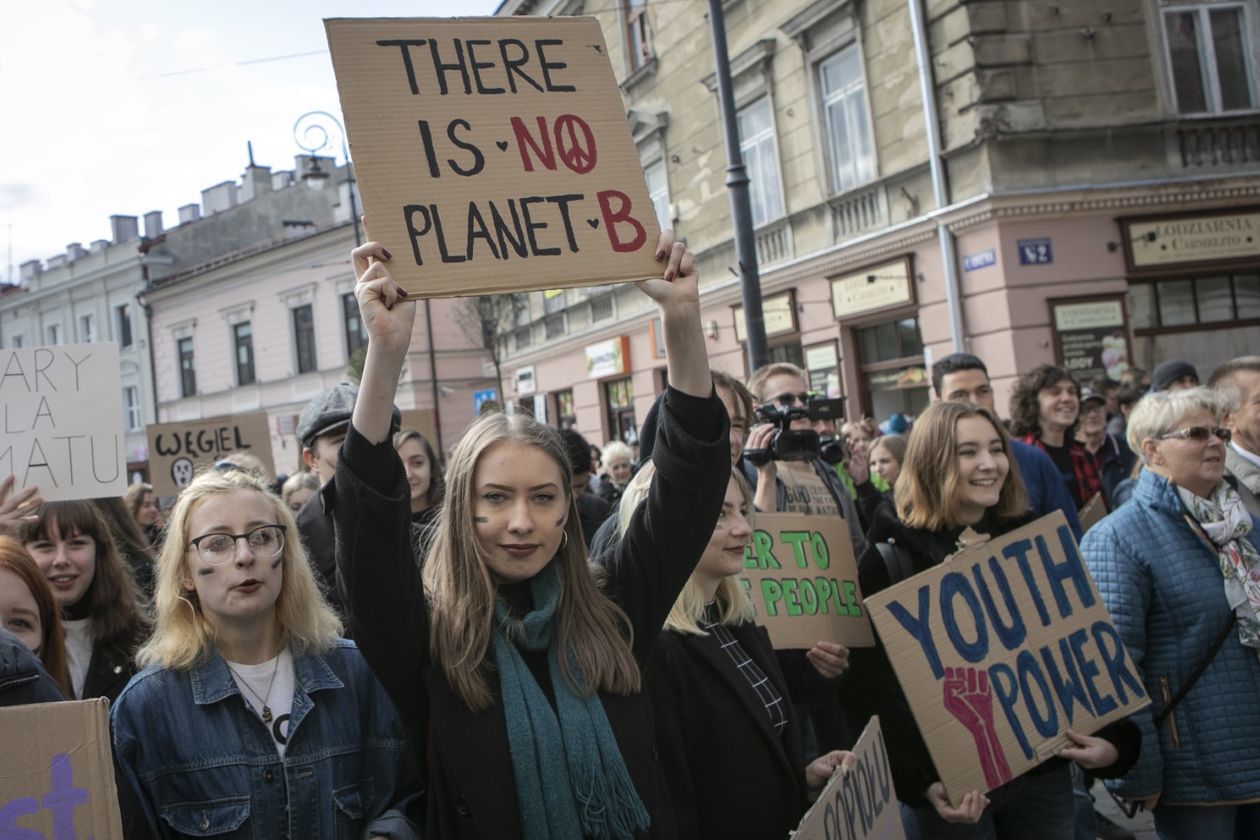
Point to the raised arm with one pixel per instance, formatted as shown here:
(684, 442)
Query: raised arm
(389, 318)
(677, 295)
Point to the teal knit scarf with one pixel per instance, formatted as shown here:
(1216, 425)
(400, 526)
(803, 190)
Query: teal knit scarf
(570, 778)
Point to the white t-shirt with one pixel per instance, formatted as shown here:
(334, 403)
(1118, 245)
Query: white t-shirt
(78, 652)
(253, 682)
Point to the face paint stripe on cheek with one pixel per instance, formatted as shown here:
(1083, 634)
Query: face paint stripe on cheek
(481, 520)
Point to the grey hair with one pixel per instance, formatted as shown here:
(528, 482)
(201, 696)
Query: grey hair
(1159, 413)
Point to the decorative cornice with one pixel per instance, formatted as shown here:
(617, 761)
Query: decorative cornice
(757, 57)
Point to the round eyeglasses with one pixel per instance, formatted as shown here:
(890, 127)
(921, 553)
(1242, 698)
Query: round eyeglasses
(265, 542)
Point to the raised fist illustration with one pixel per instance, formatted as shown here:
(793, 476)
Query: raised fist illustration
(968, 697)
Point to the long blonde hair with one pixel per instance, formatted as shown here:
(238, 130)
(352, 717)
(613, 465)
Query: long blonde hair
(182, 635)
(732, 601)
(927, 491)
(591, 631)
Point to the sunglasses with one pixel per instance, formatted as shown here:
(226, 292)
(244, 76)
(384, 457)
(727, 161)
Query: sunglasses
(1199, 434)
(787, 400)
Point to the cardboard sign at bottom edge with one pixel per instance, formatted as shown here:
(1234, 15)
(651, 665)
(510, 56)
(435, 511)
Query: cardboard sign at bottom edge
(860, 803)
(62, 748)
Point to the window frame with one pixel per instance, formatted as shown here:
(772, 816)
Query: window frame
(133, 419)
(1198, 325)
(1208, 66)
(87, 327)
(236, 353)
(52, 334)
(630, 21)
(122, 314)
(301, 347)
(744, 143)
(356, 335)
(187, 363)
(824, 100)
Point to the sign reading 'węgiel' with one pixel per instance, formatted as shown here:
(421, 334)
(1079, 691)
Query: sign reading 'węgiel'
(493, 154)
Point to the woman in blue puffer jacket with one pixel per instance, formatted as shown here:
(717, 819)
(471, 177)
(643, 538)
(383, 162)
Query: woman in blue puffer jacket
(1179, 569)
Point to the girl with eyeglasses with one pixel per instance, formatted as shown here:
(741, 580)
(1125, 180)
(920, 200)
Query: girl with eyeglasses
(103, 611)
(1178, 566)
(252, 718)
(520, 675)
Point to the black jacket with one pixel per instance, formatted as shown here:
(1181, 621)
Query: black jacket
(111, 668)
(23, 679)
(716, 742)
(471, 783)
(593, 512)
(873, 689)
(315, 524)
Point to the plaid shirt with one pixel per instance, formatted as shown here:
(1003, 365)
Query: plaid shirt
(1085, 480)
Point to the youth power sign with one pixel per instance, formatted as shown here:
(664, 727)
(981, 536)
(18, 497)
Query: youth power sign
(61, 416)
(802, 577)
(1000, 650)
(493, 154)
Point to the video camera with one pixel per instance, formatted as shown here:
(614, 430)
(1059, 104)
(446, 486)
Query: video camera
(790, 444)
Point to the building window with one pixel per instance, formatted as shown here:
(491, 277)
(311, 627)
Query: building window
(52, 334)
(619, 395)
(658, 191)
(131, 409)
(523, 337)
(553, 301)
(124, 325)
(566, 415)
(18, 341)
(1208, 58)
(761, 158)
(851, 154)
(87, 328)
(356, 335)
(822, 365)
(187, 372)
(602, 307)
(893, 374)
(553, 325)
(1194, 302)
(243, 341)
(638, 47)
(304, 337)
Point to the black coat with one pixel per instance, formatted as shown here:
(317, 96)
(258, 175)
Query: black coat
(112, 666)
(23, 679)
(873, 688)
(315, 525)
(593, 512)
(730, 772)
(471, 786)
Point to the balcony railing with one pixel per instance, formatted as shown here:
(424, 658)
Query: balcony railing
(858, 212)
(774, 243)
(1216, 143)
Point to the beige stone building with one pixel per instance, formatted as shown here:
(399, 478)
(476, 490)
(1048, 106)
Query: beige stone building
(1098, 202)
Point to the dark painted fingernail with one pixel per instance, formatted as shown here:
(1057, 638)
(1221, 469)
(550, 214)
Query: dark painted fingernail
(387, 254)
(660, 255)
(669, 276)
(402, 292)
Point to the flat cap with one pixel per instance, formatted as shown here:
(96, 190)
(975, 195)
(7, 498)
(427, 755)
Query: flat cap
(330, 411)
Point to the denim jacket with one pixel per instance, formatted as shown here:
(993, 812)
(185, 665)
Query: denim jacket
(204, 765)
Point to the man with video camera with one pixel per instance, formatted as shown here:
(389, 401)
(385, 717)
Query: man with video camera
(787, 461)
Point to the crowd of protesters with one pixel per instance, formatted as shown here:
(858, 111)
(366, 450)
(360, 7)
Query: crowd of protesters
(551, 639)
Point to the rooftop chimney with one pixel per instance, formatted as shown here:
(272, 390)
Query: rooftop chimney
(281, 179)
(189, 213)
(98, 246)
(31, 269)
(125, 228)
(153, 224)
(254, 182)
(218, 198)
(74, 251)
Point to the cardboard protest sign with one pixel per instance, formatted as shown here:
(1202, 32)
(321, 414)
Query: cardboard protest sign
(61, 413)
(802, 578)
(493, 154)
(178, 450)
(1093, 512)
(1002, 648)
(57, 771)
(858, 803)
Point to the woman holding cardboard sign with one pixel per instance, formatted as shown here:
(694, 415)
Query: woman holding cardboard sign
(519, 674)
(1178, 567)
(959, 475)
(252, 718)
(723, 697)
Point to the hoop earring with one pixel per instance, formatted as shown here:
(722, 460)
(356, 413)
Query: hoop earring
(564, 540)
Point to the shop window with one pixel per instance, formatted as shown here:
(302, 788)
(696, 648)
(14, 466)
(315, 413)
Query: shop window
(851, 154)
(760, 150)
(891, 340)
(1190, 302)
(822, 365)
(893, 374)
(566, 414)
(790, 353)
(619, 397)
(1208, 58)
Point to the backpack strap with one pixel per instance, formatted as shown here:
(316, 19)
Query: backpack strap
(896, 561)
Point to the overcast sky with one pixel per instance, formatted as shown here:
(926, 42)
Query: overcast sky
(126, 106)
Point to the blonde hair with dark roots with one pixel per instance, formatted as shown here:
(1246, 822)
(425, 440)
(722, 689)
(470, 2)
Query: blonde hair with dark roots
(591, 631)
(927, 491)
(182, 635)
(733, 604)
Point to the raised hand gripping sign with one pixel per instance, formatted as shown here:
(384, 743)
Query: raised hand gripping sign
(859, 803)
(1003, 648)
(493, 154)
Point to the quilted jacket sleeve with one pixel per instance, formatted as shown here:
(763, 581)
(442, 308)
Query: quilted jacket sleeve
(1124, 581)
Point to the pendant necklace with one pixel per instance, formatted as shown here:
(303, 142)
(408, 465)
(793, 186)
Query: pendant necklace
(266, 710)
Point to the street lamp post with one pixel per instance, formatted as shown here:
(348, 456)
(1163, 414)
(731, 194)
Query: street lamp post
(311, 133)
